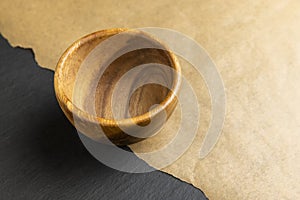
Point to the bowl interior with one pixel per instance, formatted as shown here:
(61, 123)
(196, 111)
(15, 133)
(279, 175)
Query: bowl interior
(117, 74)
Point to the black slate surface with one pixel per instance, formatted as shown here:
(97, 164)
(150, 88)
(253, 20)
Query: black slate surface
(41, 156)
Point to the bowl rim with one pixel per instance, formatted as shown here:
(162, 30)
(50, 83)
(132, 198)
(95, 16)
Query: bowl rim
(145, 117)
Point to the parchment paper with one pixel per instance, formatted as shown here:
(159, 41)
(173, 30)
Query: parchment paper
(256, 47)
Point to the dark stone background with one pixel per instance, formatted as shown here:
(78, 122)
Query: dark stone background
(41, 156)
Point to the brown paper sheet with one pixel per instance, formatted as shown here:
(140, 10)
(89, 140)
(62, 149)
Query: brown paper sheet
(256, 47)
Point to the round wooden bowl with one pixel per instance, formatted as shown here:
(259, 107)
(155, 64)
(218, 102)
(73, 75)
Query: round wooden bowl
(87, 78)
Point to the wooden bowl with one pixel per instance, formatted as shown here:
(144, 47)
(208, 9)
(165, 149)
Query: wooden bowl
(86, 79)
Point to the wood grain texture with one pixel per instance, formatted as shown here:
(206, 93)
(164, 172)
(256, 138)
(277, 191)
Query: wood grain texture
(89, 91)
(41, 157)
